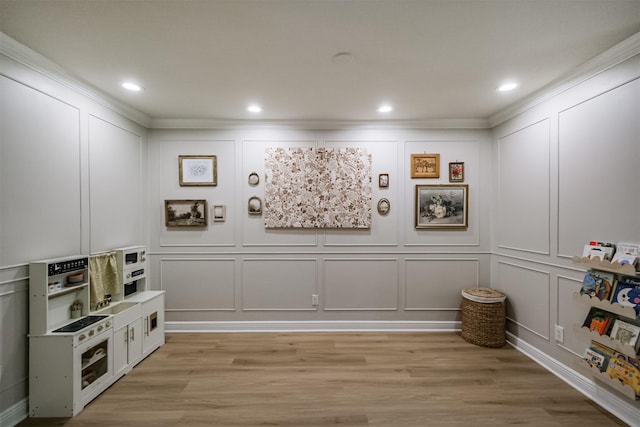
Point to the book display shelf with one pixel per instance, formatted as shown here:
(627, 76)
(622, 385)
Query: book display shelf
(611, 291)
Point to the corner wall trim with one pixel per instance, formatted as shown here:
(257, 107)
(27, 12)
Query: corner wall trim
(14, 414)
(622, 409)
(313, 326)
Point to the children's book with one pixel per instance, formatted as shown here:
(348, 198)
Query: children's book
(622, 369)
(605, 283)
(626, 333)
(596, 359)
(599, 320)
(627, 293)
(589, 285)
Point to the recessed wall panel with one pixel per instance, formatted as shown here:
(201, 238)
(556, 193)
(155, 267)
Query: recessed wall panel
(361, 284)
(115, 182)
(278, 284)
(39, 175)
(468, 152)
(224, 193)
(598, 171)
(528, 296)
(198, 284)
(436, 284)
(523, 199)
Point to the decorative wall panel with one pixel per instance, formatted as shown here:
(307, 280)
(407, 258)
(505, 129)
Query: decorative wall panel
(317, 188)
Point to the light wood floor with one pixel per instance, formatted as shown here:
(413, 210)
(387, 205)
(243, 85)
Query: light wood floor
(320, 379)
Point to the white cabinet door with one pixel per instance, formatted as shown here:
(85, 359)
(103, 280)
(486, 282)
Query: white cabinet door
(136, 339)
(120, 351)
(127, 347)
(153, 317)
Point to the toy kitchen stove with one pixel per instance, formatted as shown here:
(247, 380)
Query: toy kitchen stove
(71, 353)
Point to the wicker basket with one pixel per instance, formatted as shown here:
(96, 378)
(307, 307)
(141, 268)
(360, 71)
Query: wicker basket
(483, 317)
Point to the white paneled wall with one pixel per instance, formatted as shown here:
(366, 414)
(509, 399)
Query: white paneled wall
(72, 181)
(598, 156)
(355, 274)
(523, 196)
(567, 173)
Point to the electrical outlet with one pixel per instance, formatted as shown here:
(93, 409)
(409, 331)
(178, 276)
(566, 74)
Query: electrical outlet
(559, 334)
(314, 300)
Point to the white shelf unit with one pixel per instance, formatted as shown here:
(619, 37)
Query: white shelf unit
(51, 294)
(620, 270)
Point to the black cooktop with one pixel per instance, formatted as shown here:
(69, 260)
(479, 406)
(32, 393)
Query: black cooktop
(80, 324)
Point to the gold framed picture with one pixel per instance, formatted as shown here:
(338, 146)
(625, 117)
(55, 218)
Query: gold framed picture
(198, 170)
(425, 166)
(442, 206)
(185, 213)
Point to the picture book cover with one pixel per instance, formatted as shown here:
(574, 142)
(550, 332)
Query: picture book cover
(627, 293)
(605, 282)
(598, 320)
(597, 284)
(626, 333)
(619, 368)
(596, 359)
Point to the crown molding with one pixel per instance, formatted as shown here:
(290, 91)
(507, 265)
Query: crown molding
(318, 124)
(610, 58)
(37, 62)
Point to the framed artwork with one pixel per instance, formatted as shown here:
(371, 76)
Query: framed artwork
(185, 213)
(384, 206)
(442, 206)
(383, 180)
(198, 170)
(425, 166)
(456, 172)
(255, 206)
(254, 179)
(219, 213)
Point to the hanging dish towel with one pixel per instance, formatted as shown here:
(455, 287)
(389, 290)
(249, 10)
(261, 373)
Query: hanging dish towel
(104, 277)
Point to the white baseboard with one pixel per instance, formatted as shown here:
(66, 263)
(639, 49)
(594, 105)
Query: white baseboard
(621, 407)
(14, 414)
(314, 326)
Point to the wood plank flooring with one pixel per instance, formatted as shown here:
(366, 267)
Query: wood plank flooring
(321, 379)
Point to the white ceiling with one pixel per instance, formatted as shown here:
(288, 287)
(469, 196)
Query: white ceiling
(432, 59)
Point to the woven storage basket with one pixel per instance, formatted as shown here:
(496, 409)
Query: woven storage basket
(483, 317)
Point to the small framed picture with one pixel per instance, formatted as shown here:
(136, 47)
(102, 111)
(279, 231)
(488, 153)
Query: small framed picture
(383, 180)
(219, 213)
(442, 206)
(456, 172)
(185, 213)
(384, 206)
(254, 179)
(198, 170)
(425, 166)
(255, 206)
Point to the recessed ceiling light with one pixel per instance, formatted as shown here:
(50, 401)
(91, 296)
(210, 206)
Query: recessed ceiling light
(385, 108)
(342, 58)
(506, 87)
(134, 87)
(254, 108)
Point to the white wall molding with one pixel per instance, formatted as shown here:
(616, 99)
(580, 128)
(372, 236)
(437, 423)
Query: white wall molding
(37, 62)
(318, 124)
(314, 326)
(610, 58)
(623, 409)
(15, 413)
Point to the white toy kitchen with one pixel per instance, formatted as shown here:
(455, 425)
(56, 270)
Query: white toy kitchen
(79, 347)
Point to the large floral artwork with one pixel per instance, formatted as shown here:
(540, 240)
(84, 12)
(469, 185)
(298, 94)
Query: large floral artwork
(317, 188)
